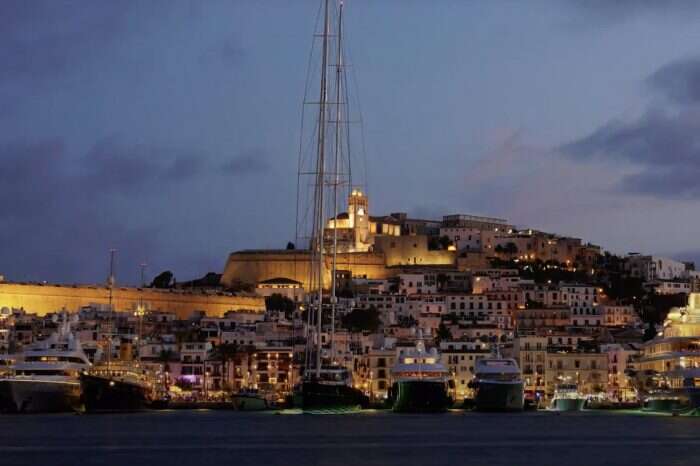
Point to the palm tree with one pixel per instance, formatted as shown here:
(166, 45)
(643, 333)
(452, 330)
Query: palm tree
(225, 353)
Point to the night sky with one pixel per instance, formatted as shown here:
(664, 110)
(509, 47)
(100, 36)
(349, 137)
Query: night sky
(170, 129)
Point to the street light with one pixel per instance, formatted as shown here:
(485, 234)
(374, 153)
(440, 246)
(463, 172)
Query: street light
(139, 312)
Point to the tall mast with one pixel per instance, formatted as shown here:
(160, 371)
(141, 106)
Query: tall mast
(320, 181)
(338, 94)
(110, 285)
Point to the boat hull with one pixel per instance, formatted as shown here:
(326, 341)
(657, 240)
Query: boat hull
(101, 394)
(39, 396)
(314, 396)
(499, 396)
(568, 404)
(249, 403)
(682, 399)
(418, 396)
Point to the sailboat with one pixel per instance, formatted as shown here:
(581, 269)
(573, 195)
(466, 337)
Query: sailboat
(326, 385)
(122, 385)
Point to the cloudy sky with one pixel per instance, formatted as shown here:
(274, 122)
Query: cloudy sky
(170, 129)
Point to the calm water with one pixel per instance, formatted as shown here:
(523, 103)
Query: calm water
(196, 438)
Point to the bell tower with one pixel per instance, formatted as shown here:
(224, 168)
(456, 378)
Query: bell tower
(358, 213)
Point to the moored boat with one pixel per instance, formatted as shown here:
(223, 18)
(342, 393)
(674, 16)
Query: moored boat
(667, 374)
(567, 398)
(119, 386)
(46, 379)
(249, 400)
(329, 390)
(497, 385)
(420, 382)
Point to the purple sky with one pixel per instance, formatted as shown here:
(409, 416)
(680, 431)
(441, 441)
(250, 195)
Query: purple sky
(169, 129)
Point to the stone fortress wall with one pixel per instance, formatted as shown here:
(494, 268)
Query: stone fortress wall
(43, 299)
(252, 267)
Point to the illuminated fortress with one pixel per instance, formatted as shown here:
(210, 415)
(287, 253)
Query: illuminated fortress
(368, 246)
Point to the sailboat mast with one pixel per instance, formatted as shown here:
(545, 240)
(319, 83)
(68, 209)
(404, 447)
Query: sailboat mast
(338, 94)
(320, 182)
(110, 285)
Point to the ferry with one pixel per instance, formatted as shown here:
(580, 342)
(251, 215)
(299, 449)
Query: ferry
(46, 378)
(420, 382)
(497, 385)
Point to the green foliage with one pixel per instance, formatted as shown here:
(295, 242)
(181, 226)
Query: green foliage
(445, 242)
(656, 306)
(163, 280)
(167, 356)
(649, 332)
(277, 302)
(443, 333)
(290, 246)
(359, 320)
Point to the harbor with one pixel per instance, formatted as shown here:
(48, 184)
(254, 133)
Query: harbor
(335, 232)
(215, 437)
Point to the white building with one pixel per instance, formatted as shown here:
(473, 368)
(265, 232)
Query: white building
(650, 268)
(670, 287)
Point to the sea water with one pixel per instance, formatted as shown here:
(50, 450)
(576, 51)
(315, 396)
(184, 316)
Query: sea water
(196, 438)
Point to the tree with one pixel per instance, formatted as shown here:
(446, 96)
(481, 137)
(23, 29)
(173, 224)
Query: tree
(649, 332)
(290, 246)
(163, 280)
(443, 333)
(433, 243)
(225, 353)
(359, 320)
(511, 248)
(445, 242)
(165, 357)
(277, 302)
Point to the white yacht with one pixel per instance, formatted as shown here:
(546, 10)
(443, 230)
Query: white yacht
(46, 379)
(668, 372)
(567, 398)
(420, 381)
(497, 384)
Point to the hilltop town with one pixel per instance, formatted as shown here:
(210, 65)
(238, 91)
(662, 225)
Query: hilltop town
(562, 308)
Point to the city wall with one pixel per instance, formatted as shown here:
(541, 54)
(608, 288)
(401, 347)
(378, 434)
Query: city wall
(255, 266)
(43, 299)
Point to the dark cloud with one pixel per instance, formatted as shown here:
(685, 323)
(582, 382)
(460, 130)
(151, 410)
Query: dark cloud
(657, 138)
(42, 38)
(667, 182)
(663, 145)
(678, 81)
(251, 162)
(114, 165)
(619, 9)
(58, 215)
